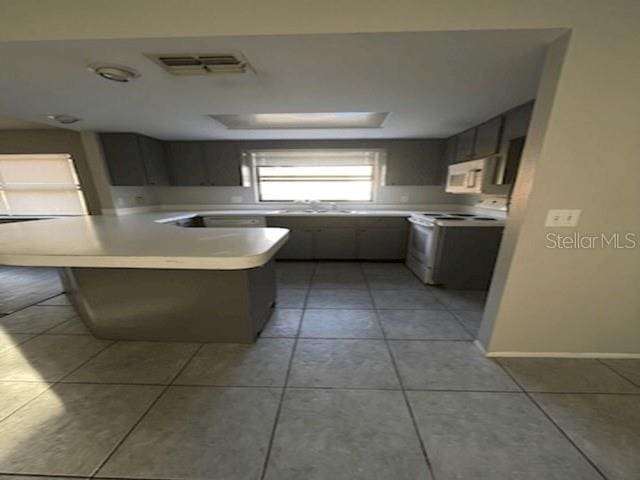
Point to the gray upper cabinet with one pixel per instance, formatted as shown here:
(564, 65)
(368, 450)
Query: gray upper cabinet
(465, 143)
(488, 137)
(480, 141)
(134, 160)
(414, 162)
(154, 160)
(186, 163)
(223, 161)
(516, 124)
(449, 156)
(450, 150)
(124, 159)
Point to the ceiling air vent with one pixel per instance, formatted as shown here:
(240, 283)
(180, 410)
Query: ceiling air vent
(201, 64)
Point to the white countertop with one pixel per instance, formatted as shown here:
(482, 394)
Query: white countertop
(171, 216)
(145, 240)
(135, 241)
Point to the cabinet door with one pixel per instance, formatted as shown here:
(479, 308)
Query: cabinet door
(299, 246)
(448, 156)
(123, 158)
(450, 150)
(414, 162)
(186, 163)
(488, 137)
(516, 124)
(332, 243)
(381, 243)
(222, 163)
(464, 145)
(154, 159)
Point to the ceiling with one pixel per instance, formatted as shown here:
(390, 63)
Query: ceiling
(433, 84)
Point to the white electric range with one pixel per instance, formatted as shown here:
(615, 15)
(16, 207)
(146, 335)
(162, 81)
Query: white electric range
(445, 248)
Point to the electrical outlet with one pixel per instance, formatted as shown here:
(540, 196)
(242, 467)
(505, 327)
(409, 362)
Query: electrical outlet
(236, 199)
(404, 199)
(562, 218)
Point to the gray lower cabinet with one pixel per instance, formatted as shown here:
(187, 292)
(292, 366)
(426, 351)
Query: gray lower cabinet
(381, 243)
(186, 163)
(299, 246)
(340, 238)
(334, 243)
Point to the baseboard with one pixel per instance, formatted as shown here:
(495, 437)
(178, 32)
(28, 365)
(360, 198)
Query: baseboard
(562, 354)
(480, 346)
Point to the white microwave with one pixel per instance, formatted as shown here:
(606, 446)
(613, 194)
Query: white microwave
(470, 176)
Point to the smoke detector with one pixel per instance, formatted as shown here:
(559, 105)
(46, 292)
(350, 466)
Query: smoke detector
(201, 63)
(64, 119)
(115, 73)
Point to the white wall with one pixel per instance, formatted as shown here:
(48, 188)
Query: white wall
(586, 155)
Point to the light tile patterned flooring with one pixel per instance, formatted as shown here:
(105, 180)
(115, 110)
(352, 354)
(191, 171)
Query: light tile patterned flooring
(361, 373)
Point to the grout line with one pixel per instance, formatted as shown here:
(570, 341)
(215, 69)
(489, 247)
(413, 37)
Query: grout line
(276, 420)
(52, 384)
(467, 340)
(145, 413)
(423, 448)
(37, 304)
(617, 372)
(553, 422)
(41, 475)
(207, 385)
(474, 335)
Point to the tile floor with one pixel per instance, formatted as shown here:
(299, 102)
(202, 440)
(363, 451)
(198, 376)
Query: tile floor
(361, 373)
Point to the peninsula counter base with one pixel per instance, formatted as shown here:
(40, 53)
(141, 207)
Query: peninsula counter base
(228, 306)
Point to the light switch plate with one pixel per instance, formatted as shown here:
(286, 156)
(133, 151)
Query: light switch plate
(562, 218)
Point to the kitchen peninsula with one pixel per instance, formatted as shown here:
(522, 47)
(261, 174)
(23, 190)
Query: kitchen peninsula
(135, 278)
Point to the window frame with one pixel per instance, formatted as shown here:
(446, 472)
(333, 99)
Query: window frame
(250, 178)
(5, 205)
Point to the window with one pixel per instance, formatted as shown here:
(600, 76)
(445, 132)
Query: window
(39, 185)
(322, 175)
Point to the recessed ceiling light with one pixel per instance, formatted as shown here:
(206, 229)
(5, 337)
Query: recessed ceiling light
(115, 73)
(258, 121)
(64, 119)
